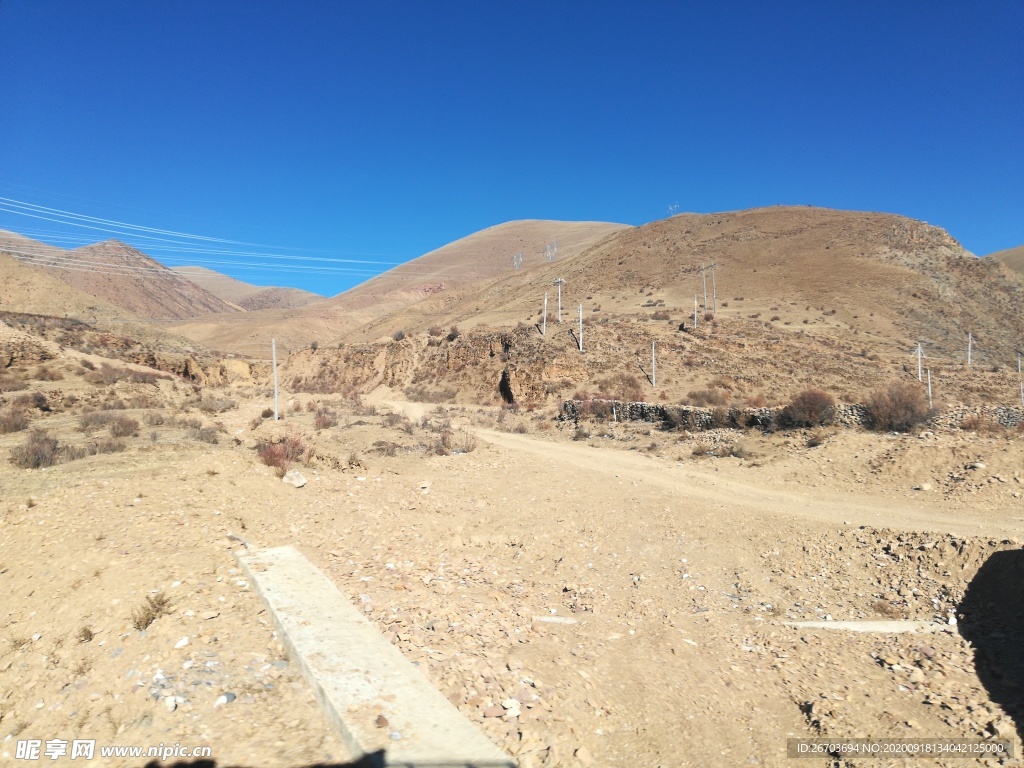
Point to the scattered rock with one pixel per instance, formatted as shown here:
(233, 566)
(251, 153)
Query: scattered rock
(294, 477)
(224, 698)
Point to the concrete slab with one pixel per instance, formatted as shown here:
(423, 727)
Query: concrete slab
(380, 703)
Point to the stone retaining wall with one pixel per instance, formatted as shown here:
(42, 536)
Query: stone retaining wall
(698, 418)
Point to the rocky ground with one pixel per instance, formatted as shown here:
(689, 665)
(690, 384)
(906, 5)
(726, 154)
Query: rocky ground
(608, 599)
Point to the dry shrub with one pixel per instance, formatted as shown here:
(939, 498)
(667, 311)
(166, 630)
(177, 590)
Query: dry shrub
(216, 404)
(810, 408)
(521, 429)
(281, 455)
(42, 373)
(123, 426)
(94, 420)
(40, 449)
(703, 449)
(204, 435)
(13, 420)
(155, 418)
(721, 418)
(325, 419)
(454, 333)
(818, 437)
(154, 607)
(386, 448)
(981, 425)
(897, 408)
(436, 330)
(708, 397)
(398, 335)
(12, 382)
(266, 413)
(621, 386)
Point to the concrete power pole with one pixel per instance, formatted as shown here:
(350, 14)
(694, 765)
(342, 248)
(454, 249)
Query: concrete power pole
(714, 291)
(695, 311)
(970, 343)
(704, 279)
(559, 282)
(544, 318)
(581, 327)
(919, 354)
(273, 356)
(654, 367)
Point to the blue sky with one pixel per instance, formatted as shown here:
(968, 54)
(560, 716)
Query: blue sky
(379, 131)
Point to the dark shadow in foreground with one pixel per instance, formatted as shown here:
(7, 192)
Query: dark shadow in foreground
(991, 617)
(371, 760)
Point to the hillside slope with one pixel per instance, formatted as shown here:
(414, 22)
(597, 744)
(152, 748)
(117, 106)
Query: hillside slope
(1011, 257)
(246, 295)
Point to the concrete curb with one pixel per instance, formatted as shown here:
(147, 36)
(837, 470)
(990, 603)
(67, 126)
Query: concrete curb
(380, 704)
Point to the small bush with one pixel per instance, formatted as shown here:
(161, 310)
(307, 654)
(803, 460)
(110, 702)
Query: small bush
(204, 435)
(216, 404)
(12, 383)
(43, 373)
(810, 408)
(721, 418)
(981, 425)
(40, 449)
(708, 397)
(267, 413)
(436, 330)
(154, 607)
(325, 419)
(703, 449)
(89, 365)
(14, 420)
(454, 333)
(94, 420)
(281, 455)
(155, 418)
(123, 426)
(398, 335)
(897, 408)
(36, 400)
(818, 437)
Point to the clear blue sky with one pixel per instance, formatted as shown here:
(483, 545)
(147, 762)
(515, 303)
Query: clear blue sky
(380, 131)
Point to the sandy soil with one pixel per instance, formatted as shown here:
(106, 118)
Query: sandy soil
(636, 603)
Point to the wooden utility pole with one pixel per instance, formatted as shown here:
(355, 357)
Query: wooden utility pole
(273, 357)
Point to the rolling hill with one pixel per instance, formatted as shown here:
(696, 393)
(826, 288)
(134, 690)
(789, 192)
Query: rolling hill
(1011, 257)
(246, 295)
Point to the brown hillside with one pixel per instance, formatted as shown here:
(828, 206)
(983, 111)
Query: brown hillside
(246, 295)
(28, 288)
(425, 286)
(1011, 257)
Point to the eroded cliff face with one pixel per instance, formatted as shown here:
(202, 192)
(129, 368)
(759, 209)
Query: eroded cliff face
(482, 366)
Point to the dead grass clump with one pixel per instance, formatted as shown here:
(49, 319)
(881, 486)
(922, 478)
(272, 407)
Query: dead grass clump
(155, 418)
(708, 397)
(810, 408)
(454, 442)
(12, 382)
(721, 418)
(216, 404)
(123, 426)
(740, 451)
(621, 386)
(85, 634)
(36, 400)
(897, 408)
(155, 606)
(421, 394)
(281, 455)
(981, 425)
(521, 429)
(398, 335)
(386, 448)
(40, 449)
(204, 435)
(887, 609)
(818, 437)
(267, 413)
(13, 420)
(42, 373)
(454, 333)
(325, 419)
(91, 420)
(702, 449)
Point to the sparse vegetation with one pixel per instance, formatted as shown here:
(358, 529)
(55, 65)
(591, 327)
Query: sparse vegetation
(325, 418)
(154, 607)
(283, 454)
(40, 449)
(398, 335)
(123, 426)
(204, 435)
(216, 404)
(13, 420)
(810, 408)
(897, 408)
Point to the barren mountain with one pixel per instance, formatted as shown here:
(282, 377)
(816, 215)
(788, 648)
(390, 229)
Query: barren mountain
(1011, 257)
(246, 295)
(425, 288)
(117, 274)
(25, 287)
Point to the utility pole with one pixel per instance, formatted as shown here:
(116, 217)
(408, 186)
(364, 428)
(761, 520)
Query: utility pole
(273, 356)
(695, 311)
(544, 318)
(581, 327)
(1022, 394)
(654, 367)
(919, 353)
(1018, 363)
(970, 343)
(714, 290)
(930, 388)
(704, 279)
(559, 282)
